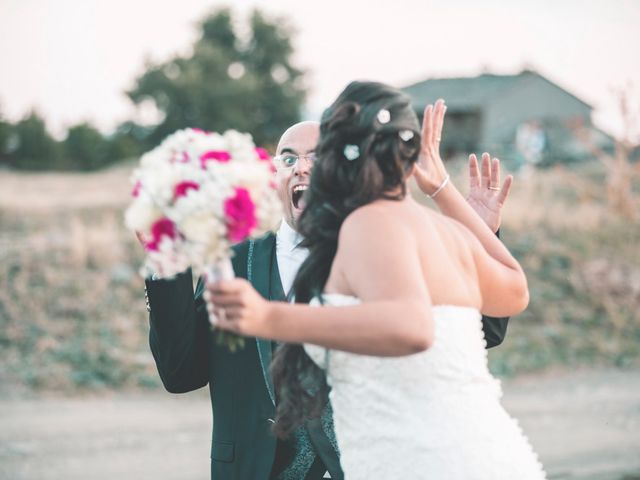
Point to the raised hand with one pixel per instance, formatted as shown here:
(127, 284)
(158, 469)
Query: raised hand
(429, 171)
(486, 196)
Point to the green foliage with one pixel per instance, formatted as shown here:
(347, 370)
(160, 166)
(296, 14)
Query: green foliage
(85, 148)
(127, 141)
(35, 149)
(6, 131)
(228, 82)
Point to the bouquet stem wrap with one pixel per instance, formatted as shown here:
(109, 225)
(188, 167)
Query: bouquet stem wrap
(222, 270)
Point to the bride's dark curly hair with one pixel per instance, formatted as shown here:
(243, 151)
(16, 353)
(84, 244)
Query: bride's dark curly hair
(369, 141)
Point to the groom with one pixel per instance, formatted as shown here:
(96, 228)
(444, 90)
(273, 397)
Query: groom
(242, 393)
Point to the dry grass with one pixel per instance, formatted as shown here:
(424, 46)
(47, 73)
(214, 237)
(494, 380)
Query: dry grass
(72, 309)
(583, 265)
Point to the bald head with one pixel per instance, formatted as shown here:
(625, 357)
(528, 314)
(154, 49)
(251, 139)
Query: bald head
(301, 134)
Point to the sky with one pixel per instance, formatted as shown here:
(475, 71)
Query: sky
(73, 59)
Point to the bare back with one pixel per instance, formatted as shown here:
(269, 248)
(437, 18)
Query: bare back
(439, 245)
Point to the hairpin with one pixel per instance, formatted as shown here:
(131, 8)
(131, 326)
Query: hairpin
(351, 152)
(406, 135)
(384, 116)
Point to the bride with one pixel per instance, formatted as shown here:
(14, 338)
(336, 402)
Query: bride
(396, 291)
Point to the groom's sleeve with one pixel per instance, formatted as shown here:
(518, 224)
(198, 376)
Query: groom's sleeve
(495, 329)
(179, 334)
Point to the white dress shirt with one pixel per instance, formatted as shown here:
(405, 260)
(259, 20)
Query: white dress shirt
(288, 254)
(289, 257)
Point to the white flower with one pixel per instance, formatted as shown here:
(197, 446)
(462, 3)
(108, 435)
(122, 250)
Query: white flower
(142, 214)
(198, 209)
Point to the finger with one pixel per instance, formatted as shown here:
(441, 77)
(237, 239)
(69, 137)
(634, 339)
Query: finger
(495, 173)
(206, 294)
(438, 121)
(225, 323)
(227, 286)
(485, 171)
(234, 313)
(474, 173)
(426, 125)
(506, 188)
(211, 311)
(226, 299)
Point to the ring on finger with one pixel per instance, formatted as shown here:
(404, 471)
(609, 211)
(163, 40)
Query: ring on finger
(494, 188)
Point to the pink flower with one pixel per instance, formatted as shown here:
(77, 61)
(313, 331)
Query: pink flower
(199, 130)
(161, 228)
(265, 157)
(240, 215)
(136, 189)
(263, 154)
(221, 156)
(182, 188)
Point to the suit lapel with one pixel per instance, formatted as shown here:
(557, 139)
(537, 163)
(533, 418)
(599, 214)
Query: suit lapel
(262, 268)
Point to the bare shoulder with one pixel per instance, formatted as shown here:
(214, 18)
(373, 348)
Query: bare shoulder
(373, 219)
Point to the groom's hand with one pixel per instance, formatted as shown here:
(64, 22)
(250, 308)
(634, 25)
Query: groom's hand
(486, 196)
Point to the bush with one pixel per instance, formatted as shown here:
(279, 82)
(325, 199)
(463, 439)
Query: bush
(35, 148)
(85, 148)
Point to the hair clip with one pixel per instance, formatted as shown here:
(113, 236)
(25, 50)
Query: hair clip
(351, 152)
(406, 135)
(384, 116)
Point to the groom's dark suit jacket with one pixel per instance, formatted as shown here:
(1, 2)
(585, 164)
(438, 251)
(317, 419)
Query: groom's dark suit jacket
(242, 392)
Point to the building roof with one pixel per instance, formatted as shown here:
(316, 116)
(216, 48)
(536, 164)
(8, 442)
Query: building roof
(468, 93)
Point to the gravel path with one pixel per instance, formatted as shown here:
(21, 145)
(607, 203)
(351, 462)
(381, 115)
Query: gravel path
(584, 425)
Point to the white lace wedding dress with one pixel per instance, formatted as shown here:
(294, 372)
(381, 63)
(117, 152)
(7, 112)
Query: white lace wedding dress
(435, 415)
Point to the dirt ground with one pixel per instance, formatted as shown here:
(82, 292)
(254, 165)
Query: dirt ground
(584, 425)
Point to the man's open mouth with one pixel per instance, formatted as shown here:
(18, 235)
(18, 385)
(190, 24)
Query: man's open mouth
(297, 194)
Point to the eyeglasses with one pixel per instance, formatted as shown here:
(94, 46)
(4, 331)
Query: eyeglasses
(290, 160)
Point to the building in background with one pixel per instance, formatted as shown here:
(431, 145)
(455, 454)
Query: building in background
(524, 119)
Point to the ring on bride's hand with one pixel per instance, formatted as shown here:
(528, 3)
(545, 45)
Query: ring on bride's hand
(494, 188)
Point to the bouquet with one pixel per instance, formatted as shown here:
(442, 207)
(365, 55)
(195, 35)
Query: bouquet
(195, 196)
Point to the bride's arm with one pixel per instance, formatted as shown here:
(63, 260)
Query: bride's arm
(377, 260)
(502, 281)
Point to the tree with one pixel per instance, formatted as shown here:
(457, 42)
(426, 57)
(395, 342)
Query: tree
(228, 82)
(34, 148)
(127, 141)
(85, 148)
(6, 131)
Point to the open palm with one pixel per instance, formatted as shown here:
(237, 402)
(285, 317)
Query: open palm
(486, 196)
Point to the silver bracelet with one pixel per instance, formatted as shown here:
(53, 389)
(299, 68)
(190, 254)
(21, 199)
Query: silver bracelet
(439, 189)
